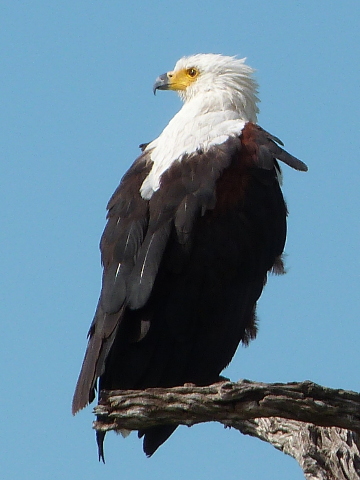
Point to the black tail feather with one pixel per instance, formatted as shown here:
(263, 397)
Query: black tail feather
(100, 436)
(155, 436)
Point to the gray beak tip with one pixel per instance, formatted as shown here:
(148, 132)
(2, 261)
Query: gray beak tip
(161, 83)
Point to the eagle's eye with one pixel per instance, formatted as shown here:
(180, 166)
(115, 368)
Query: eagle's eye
(192, 72)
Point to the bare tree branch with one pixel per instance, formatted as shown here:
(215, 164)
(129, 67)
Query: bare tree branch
(316, 425)
(323, 453)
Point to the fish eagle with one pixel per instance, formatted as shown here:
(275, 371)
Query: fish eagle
(192, 231)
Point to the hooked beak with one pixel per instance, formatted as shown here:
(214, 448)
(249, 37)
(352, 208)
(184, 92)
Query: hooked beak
(161, 83)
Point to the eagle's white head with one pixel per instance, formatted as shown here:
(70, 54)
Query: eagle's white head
(214, 78)
(219, 94)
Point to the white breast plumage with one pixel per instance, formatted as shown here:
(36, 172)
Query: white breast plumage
(193, 128)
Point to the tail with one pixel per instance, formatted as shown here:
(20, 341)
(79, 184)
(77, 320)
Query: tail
(154, 437)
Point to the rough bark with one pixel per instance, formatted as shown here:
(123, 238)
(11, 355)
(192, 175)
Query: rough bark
(323, 453)
(316, 425)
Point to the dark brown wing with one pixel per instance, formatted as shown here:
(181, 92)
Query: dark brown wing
(132, 247)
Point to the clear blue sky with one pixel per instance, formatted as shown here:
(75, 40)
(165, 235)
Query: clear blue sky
(76, 101)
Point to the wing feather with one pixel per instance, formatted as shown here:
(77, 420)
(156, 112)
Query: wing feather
(270, 147)
(143, 275)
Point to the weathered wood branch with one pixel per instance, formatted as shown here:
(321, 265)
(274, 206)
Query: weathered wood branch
(316, 425)
(323, 453)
